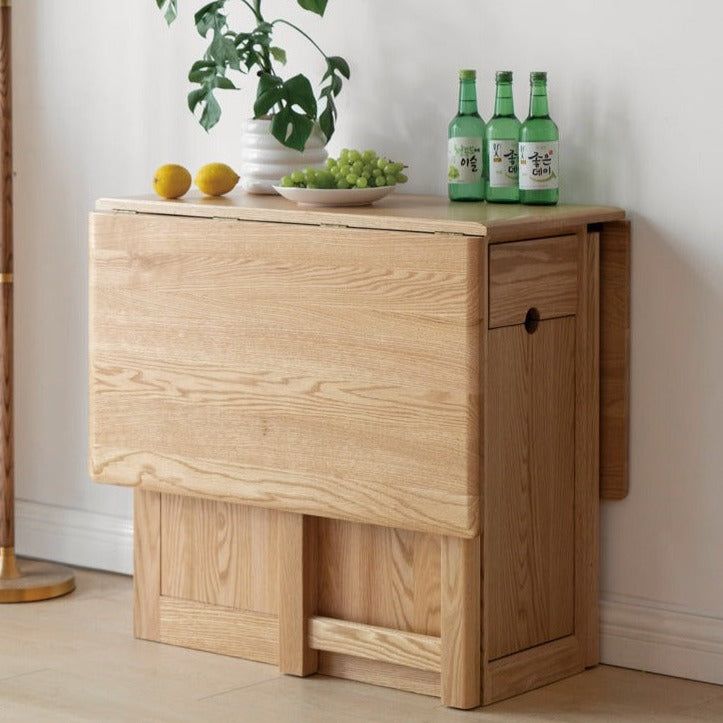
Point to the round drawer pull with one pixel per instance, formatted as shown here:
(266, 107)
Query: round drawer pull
(532, 320)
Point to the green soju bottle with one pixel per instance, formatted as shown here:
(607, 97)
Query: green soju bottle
(465, 165)
(539, 149)
(501, 138)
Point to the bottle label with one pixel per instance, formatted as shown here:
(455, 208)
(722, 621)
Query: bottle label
(503, 165)
(539, 165)
(465, 160)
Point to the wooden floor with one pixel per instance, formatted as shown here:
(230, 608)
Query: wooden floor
(74, 659)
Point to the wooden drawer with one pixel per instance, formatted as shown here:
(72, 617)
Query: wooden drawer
(539, 274)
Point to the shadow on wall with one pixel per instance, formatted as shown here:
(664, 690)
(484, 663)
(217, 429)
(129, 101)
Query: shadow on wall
(56, 166)
(594, 124)
(675, 506)
(371, 112)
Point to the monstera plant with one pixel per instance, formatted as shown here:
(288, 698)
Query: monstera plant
(291, 103)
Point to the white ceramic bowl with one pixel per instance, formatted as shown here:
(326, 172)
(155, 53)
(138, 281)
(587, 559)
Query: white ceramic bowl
(334, 197)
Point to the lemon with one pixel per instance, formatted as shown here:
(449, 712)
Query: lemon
(215, 179)
(171, 181)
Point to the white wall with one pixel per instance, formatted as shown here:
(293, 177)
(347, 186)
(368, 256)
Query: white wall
(635, 87)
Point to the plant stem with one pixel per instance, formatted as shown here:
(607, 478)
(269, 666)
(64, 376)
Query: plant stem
(250, 7)
(260, 19)
(299, 30)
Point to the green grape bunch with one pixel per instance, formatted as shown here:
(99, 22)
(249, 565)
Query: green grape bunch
(353, 169)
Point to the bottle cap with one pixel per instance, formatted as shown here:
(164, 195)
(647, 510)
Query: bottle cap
(468, 75)
(504, 76)
(538, 76)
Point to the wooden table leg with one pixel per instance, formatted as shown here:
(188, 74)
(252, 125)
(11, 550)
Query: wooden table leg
(147, 566)
(461, 607)
(297, 592)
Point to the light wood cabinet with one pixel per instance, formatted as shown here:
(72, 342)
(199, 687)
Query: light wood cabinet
(364, 442)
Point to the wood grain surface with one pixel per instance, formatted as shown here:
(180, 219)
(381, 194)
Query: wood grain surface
(614, 359)
(307, 399)
(461, 623)
(374, 643)
(146, 564)
(7, 467)
(530, 486)
(398, 212)
(379, 576)
(219, 553)
(532, 668)
(298, 592)
(587, 451)
(320, 371)
(376, 672)
(240, 633)
(541, 273)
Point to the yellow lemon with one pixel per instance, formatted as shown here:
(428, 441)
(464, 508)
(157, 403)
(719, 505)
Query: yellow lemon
(171, 181)
(215, 179)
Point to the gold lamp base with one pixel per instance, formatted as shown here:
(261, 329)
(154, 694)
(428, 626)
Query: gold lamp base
(35, 581)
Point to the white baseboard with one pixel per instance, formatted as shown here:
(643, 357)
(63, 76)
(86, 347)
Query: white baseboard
(646, 635)
(635, 632)
(75, 537)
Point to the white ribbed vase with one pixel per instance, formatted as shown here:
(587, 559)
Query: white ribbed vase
(266, 161)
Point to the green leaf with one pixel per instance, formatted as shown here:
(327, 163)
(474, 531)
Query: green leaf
(195, 97)
(336, 85)
(223, 51)
(267, 82)
(211, 112)
(267, 101)
(202, 71)
(269, 92)
(291, 128)
(279, 55)
(299, 92)
(225, 83)
(338, 63)
(210, 17)
(327, 120)
(171, 11)
(315, 6)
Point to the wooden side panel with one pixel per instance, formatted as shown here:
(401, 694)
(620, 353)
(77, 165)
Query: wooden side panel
(147, 564)
(614, 359)
(530, 486)
(298, 592)
(240, 633)
(541, 273)
(330, 372)
(219, 553)
(532, 668)
(379, 576)
(375, 672)
(461, 624)
(587, 452)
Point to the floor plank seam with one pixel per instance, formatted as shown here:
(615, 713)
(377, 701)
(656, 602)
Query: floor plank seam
(5, 679)
(234, 690)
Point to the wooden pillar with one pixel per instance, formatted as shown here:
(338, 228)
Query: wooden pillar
(147, 564)
(587, 450)
(7, 517)
(297, 592)
(461, 608)
(8, 569)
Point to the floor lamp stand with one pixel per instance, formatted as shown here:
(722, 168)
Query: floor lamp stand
(31, 580)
